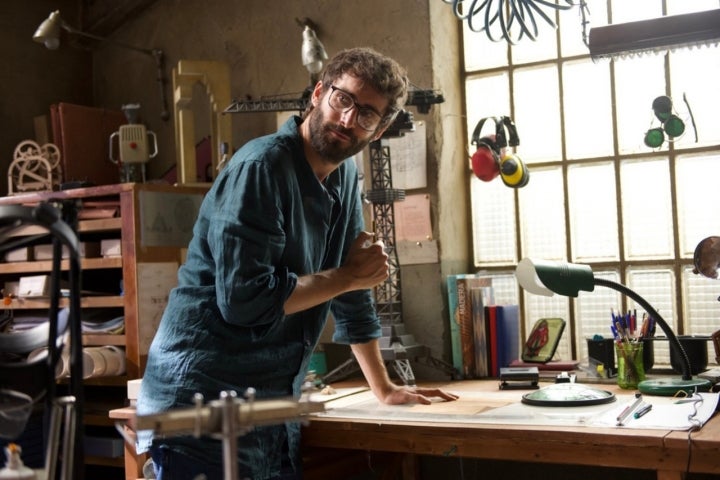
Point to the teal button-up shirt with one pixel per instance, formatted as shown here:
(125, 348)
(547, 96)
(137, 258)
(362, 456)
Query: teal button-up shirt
(266, 220)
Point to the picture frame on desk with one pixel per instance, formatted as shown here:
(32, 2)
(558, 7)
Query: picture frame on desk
(543, 340)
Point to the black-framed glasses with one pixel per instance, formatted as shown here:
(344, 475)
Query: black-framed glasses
(342, 102)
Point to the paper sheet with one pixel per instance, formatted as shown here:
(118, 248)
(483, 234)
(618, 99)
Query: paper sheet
(408, 159)
(504, 407)
(412, 218)
(154, 282)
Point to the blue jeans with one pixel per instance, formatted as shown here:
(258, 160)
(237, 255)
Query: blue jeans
(172, 465)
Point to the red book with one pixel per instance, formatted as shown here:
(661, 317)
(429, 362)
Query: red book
(492, 331)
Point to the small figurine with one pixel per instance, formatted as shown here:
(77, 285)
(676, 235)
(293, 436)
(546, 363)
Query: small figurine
(14, 468)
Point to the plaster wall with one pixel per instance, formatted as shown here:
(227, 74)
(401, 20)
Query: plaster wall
(260, 41)
(33, 77)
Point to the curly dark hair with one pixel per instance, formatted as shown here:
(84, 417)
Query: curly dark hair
(382, 73)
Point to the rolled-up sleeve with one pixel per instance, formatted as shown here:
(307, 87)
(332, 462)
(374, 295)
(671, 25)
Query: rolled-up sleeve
(355, 318)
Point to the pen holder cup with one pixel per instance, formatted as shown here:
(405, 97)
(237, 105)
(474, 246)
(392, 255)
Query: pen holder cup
(602, 351)
(696, 348)
(648, 354)
(631, 370)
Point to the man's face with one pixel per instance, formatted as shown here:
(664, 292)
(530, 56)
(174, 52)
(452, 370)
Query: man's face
(336, 135)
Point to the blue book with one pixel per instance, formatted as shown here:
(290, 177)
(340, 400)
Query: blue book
(508, 335)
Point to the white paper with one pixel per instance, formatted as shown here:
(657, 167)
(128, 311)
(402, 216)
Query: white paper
(154, 282)
(408, 159)
(666, 414)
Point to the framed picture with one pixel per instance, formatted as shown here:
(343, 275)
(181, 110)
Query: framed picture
(543, 340)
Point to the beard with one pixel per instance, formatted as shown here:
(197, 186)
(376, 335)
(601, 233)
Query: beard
(326, 145)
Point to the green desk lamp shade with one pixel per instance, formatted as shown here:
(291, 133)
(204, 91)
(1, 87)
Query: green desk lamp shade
(543, 277)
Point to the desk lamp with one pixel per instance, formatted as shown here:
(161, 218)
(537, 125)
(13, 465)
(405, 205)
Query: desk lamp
(313, 52)
(48, 33)
(543, 277)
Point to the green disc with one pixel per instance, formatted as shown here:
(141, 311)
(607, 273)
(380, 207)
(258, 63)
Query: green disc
(668, 387)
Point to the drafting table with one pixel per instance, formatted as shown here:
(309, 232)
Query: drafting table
(364, 426)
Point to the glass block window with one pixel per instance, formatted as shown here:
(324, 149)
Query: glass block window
(597, 193)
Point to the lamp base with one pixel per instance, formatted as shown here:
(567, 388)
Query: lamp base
(667, 387)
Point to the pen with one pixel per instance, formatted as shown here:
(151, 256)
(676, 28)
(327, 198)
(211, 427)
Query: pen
(643, 410)
(629, 409)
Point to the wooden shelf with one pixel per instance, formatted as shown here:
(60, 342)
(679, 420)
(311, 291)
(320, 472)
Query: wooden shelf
(45, 266)
(109, 301)
(100, 339)
(84, 226)
(143, 250)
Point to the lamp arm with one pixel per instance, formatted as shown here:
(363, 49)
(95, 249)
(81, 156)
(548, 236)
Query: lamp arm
(157, 54)
(75, 31)
(160, 63)
(686, 375)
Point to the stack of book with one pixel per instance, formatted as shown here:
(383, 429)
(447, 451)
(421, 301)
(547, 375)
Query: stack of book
(484, 336)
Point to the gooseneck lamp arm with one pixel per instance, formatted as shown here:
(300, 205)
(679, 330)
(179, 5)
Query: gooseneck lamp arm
(546, 277)
(685, 363)
(48, 33)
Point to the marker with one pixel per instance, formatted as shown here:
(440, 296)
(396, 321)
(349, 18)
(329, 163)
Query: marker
(629, 409)
(643, 410)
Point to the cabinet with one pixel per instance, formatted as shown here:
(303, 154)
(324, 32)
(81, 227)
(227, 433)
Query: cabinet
(153, 224)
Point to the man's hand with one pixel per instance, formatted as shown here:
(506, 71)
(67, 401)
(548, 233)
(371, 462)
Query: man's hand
(403, 394)
(366, 263)
(372, 365)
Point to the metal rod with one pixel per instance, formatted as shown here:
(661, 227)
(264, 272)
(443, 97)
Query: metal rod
(229, 435)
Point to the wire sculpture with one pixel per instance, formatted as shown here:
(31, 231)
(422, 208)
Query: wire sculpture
(489, 15)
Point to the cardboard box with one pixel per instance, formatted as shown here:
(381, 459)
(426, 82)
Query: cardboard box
(111, 247)
(87, 250)
(133, 389)
(34, 286)
(24, 254)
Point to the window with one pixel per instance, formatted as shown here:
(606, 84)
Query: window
(597, 194)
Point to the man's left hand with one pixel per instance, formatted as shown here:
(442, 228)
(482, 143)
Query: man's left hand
(404, 394)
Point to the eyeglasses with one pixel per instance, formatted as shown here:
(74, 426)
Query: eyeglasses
(342, 102)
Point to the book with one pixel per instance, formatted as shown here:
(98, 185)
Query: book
(460, 319)
(552, 365)
(503, 336)
(491, 333)
(480, 297)
(453, 323)
(508, 335)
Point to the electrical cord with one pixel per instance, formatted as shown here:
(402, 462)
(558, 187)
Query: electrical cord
(505, 13)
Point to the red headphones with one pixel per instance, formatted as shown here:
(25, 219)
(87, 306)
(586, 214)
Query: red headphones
(491, 158)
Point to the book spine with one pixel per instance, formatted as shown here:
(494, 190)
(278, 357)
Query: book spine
(454, 322)
(492, 336)
(467, 339)
(508, 332)
(478, 315)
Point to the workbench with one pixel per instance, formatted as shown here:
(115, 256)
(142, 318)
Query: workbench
(665, 450)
